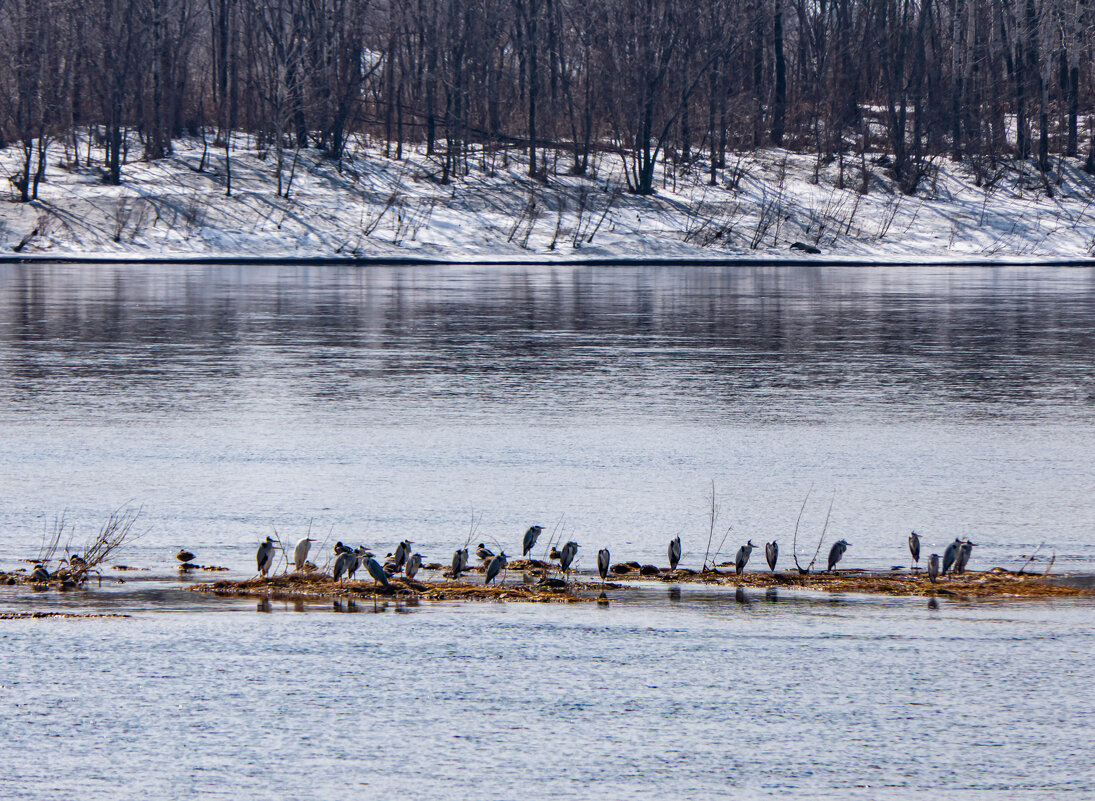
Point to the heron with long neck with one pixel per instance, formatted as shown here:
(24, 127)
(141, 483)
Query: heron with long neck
(951, 555)
(674, 552)
(264, 557)
(529, 541)
(742, 558)
(603, 561)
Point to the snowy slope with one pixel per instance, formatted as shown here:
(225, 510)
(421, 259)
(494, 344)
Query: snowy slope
(369, 206)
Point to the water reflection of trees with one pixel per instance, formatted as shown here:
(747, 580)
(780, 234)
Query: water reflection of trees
(713, 337)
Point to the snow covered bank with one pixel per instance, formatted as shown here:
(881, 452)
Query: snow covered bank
(369, 206)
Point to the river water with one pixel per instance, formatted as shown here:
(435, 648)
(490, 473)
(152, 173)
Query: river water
(381, 403)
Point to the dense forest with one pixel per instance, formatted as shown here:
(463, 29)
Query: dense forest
(677, 81)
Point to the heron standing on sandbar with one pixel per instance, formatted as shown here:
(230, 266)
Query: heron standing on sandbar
(529, 541)
(771, 553)
(344, 564)
(933, 567)
(566, 556)
(963, 556)
(603, 560)
(264, 557)
(836, 553)
(413, 564)
(494, 567)
(376, 571)
(402, 552)
(674, 552)
(360, 554)
(742, 559)
(914, 547)
(300, 553)
(951, 555)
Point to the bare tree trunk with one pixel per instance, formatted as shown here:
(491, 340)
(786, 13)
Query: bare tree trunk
(779, 101)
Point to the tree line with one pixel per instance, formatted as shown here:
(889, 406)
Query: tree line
(681, 82)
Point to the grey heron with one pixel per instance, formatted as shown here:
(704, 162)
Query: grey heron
(933, 567)
(674, 552)
(391, 565)
(360, 554)
(603, 561)
(413, 565)
(836, 553)
(951, 555)
(300, 552)
(771, 553)
(529, 541)
(184, 556)
(264, 557)
(457, 566)
(376, 571)
(914, 547)
(402, 552)
(566, 556)
(345, 564)
(962, 558)
(494, 567)
(742, 558)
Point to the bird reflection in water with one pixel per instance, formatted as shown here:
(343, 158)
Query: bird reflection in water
(263, 606)
(771, 595)
(741, 597)
(674, 593)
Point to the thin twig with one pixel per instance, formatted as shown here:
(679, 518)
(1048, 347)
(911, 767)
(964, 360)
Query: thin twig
(714, 514)
(823, 530)
(794, 539)
(715, 558)
(1026, 564)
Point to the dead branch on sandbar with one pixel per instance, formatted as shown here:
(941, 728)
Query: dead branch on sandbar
(76, 568)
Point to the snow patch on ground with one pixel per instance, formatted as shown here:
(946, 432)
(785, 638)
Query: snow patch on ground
(369, 206)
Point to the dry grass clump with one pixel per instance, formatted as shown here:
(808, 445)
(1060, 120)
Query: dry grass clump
(989, 584)
(305, 586)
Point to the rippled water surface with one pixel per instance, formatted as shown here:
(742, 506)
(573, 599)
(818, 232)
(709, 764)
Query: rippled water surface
(384, 403)
(807, 698)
